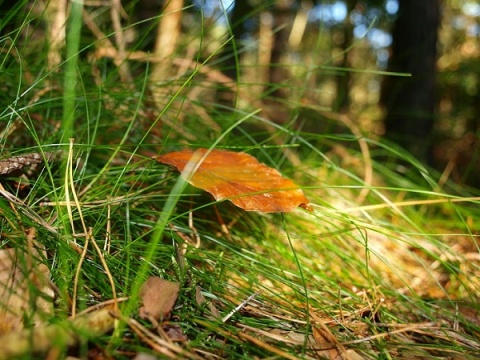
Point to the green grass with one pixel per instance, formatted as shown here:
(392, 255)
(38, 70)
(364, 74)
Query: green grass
(388, 279)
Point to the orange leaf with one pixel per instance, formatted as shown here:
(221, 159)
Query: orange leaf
(238, 177)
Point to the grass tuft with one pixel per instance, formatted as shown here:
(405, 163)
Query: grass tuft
(386, 266)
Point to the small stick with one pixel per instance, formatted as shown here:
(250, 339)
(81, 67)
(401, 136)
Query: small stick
(195, 234)
(223, 226)
(120, 59)
(239, 307)
(108, 239)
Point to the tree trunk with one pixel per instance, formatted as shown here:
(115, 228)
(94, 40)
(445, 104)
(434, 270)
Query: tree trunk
(282, 18)
(240, 13)
(342, 101)
(231, 51)
(410, 102)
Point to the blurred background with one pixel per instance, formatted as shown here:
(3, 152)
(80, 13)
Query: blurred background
(334, 55)
(405, 71)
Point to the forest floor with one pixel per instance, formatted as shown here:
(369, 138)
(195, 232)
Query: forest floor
(107, 253)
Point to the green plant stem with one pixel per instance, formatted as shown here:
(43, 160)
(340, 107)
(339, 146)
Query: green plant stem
(71, 63)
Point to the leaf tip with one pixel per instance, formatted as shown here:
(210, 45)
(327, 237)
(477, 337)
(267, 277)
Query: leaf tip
(306, 206)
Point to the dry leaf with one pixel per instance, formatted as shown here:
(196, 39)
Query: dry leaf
(17, 275)
(144, 356)
(40, 339)
(174, 332)
(200, 299)
(353, 355)
(158, 297)
(326, 345)
(238, 177)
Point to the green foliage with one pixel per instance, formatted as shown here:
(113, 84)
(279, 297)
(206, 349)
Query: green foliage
(365, 264)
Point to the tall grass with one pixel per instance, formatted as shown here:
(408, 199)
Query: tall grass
(389, 265)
